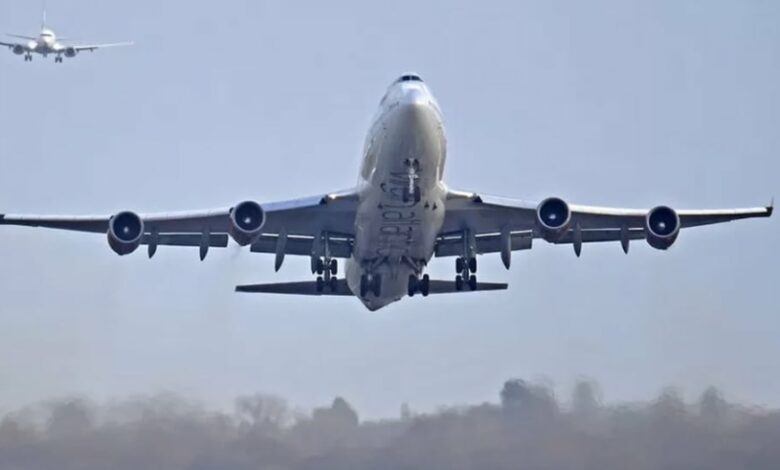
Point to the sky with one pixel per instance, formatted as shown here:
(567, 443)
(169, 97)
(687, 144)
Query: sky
(617, 103)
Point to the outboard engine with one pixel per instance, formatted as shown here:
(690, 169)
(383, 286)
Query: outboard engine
(125, 232)
(553, 218)
(18, 49)
(70, 52)
(246, 222)
(662, 225)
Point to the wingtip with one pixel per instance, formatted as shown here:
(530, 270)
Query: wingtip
(770, 208)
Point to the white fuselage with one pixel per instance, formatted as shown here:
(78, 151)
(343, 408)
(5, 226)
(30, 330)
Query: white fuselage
(46, 44)
(395, 231)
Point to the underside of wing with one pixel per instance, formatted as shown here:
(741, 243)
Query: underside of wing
(307, 226)
(94, 47)
(478, 224)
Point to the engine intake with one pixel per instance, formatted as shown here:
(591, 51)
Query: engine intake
(553, 217)
(125, 231)
(18, 49)
(70, 52)
(662, 225)
(246, 222)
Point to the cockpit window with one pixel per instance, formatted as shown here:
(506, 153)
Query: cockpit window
(409, 78)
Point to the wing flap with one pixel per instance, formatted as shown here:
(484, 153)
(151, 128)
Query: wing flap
(340, 247)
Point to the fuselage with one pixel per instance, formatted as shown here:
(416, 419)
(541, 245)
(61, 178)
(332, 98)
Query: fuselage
(402, 196)
(46, 43)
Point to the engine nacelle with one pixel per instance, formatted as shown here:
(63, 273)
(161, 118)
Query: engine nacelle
(70, 52)
(553, 218)
(125, 232)
(246, 222)
(18, 49)
(662, 225)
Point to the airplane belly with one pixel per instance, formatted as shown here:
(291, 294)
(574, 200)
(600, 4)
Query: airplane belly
(402, 207)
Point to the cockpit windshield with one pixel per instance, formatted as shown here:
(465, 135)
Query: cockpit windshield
(409, 78)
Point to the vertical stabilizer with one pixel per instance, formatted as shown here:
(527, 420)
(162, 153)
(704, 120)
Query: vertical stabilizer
(43, 17)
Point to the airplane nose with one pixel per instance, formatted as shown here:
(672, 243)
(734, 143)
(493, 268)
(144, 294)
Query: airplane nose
(415, 96)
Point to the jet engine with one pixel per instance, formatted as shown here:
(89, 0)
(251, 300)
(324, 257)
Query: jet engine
(70, 52)
(553, 218)
(662, 225)
(246, 222)
(18, 49)
(125, 231)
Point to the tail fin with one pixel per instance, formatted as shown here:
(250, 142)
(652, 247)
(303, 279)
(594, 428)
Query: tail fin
(43, 17)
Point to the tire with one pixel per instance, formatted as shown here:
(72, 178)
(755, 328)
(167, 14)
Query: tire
(473, 265)
(459, 265)
(320, 267)
(334, 267)
(377, 286)
(363, 286)
(458, 283)
(412, 286)
(320, 284)
(473, 282)
(334, 284)
(425, 285)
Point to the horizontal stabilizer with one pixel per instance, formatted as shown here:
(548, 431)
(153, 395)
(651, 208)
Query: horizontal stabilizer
(448, 287)
(310, 288)
(297, 288)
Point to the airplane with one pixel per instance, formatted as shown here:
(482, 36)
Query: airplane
(398, 218)
(47, 43)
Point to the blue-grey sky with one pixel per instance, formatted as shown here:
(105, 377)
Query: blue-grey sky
(607, 103)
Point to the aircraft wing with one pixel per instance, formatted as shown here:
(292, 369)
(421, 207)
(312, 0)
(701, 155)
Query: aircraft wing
(496, 221)
(21, 36)
(94, 47)
(305, 218)
(8, 44)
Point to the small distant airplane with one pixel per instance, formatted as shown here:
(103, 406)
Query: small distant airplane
(46, 43)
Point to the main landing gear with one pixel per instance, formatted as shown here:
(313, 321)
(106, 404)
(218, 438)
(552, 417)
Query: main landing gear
(326, 270)
(28, 57)
(466, 267)
(421, 285)
(58, 59)
(370, 283)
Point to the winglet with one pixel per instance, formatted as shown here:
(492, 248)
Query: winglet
(770, 208)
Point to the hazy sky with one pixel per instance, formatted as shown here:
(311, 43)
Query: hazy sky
(613, 103)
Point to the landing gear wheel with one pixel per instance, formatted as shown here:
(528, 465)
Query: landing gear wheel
(459, 265)
(417, 194)
(473, 265)
(425, 285)
(473, 282)
(363, 286)
(334, 267)
(320, 268)
(320, 284)
(377, 285)
(413, 285)
(334, 284)
(458, 283)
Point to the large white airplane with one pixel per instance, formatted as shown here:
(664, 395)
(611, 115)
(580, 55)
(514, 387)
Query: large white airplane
(395, 221)
(46, 44)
